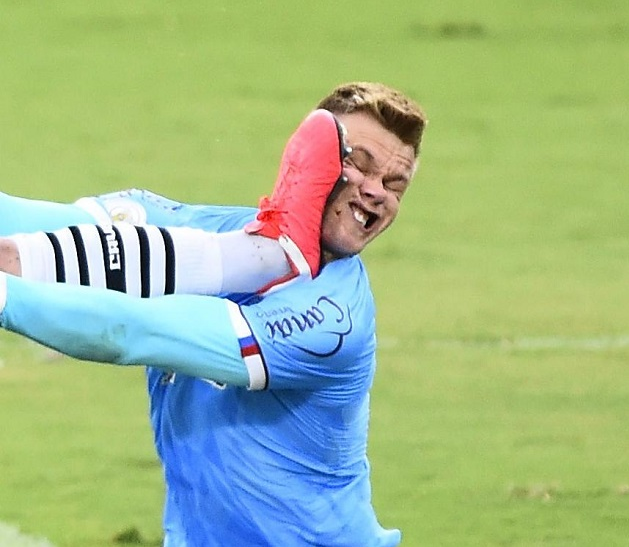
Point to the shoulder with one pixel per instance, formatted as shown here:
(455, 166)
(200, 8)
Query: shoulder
(318, 334)
(332, 314)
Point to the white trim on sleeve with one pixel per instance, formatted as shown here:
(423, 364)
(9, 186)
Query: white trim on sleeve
(249, 349)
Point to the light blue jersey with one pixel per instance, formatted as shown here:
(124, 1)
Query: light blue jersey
(285, 466)
(281, 462)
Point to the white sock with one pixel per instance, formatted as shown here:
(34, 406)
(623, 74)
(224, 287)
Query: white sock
(150, 261)
(250, 262)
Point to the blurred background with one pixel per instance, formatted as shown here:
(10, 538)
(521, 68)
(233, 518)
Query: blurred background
(500, 407)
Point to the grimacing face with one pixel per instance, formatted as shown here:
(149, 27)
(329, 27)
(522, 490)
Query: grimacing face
(378, 170)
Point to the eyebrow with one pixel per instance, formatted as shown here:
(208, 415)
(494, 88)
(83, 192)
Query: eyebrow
(360, 148)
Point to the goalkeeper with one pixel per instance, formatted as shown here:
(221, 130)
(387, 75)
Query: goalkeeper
(259, 401)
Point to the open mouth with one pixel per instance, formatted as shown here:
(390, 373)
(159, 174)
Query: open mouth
(364, 218)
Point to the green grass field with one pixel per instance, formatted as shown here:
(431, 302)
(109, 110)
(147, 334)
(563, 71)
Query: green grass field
(500, 412)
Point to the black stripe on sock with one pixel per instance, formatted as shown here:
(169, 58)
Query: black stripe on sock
(59, 262)
(81, 255)
(169, 266)
(145, 262)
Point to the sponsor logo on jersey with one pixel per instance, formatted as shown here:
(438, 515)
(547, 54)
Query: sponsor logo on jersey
(336, 321)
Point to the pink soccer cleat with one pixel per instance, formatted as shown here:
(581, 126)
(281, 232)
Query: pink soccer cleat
(312, 163)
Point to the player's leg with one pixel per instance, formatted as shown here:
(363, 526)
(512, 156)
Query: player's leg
(146, 261)
(312, 164)
(10, 257)
(149, 261)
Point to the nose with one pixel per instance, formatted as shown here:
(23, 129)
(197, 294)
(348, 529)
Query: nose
(373, 188)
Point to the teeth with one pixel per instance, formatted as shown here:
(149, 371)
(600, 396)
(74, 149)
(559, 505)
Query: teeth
(360, 217)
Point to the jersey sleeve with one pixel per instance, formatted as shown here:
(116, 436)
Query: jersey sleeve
(310, 335)
(22, 215)
(185, 334)
(315, 334)
(139, 207)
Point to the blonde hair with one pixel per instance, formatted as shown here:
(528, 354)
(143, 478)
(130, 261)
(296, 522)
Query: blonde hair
(392, 109)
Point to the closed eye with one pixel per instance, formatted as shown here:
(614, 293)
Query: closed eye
(360, 159)
(397, 185)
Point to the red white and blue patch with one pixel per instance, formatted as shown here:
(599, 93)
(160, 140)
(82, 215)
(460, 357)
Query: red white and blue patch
(249, 349)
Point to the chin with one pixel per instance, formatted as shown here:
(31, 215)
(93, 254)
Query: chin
(341, 246)
(334, 253)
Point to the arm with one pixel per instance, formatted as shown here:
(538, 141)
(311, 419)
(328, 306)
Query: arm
(191, 335)
(22, 215)
(28, 215)
(308, 336)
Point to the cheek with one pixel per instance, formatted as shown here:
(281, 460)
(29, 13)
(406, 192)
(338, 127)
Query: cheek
(331, 216)
(335, 235)
(393, 207)
(329, 224)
